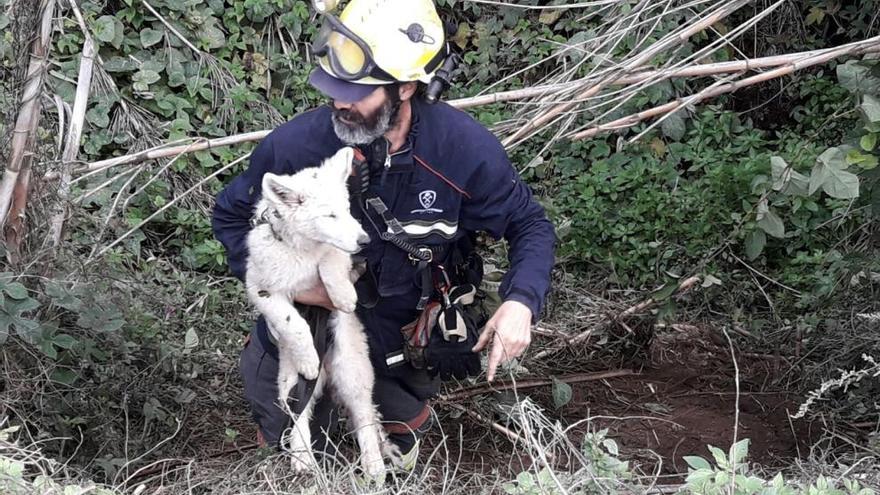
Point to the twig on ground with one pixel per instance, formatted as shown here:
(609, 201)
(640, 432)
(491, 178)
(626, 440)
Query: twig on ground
(466, 392)
(512, 436)
(583, 336)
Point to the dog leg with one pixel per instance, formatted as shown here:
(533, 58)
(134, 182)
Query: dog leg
(296, 352)
(335, 272)
(302, 458)
(349, 358)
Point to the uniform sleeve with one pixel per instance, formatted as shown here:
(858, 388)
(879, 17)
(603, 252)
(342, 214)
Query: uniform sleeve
(502, 205)
(235, 204)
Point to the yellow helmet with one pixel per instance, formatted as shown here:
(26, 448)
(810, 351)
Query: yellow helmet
(382, 41)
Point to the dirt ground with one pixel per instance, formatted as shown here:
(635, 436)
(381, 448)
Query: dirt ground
(683, 398)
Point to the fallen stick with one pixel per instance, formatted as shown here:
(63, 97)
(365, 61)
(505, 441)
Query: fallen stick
(669, 40)
(698, 70)
(466, 392)
(583, 336)
(870, 44)
(74, 133)
(511, 435)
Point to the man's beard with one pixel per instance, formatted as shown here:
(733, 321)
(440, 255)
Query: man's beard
(365, 129)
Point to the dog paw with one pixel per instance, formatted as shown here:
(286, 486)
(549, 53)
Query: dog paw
(346, 302)
(302, 461)
(308, 365)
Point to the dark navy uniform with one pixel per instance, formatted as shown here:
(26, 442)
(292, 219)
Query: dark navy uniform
(452, 178)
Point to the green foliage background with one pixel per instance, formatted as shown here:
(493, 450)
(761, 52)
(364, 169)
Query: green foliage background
(149, 334)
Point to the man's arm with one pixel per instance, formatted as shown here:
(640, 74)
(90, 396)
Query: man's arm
(503, 205)
(235, 206)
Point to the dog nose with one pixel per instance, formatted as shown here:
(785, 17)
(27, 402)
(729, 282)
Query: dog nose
(363, 239)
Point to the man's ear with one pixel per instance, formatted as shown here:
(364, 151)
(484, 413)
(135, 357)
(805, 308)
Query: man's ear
(276, 192)
(340, 163)
(407, 90)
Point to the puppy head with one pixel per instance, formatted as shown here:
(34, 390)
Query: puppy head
(314, 204)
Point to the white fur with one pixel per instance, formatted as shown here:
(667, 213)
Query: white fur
(309, 241)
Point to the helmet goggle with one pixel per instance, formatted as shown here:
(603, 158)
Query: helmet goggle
(349, 57)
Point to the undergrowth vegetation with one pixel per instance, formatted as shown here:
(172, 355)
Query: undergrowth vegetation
(114, 358)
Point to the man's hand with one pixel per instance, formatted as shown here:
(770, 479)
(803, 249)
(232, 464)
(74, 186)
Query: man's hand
(511, 327)
(316, 296)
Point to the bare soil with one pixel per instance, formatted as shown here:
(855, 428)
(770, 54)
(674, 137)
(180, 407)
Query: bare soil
(683, 399)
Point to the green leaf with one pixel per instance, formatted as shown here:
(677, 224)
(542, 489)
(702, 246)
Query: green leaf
(772, 224)
(815, 16)
(829, 174)
(755, 242)
(105, 28)
(697, 462)
(664, 292)
(786, 179)
(212, 36)
(674, 127)
(64, 341)
(100, 320)
(99, 115)
(190, 341)
(120, 64)
(561, 393)
(62, 297)
(857, 77)
(868, 141)
(11, 316)
(150, 37)
(739, 451)
(549, 16)
(719, 455)
(871, 107)
(63, 376)
(48, 349)
(15, 290)
(699, 476)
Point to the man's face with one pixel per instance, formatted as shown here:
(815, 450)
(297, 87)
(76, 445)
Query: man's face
(366, 120)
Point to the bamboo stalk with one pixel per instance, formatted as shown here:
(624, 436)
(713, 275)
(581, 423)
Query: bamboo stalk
(871, 44)
(17, 173)
(74, 134)
(171, 28)
(666, 42)
(699, 70)
(168, 205)
(201, 145)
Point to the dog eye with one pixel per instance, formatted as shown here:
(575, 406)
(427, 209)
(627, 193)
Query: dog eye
(332, 215)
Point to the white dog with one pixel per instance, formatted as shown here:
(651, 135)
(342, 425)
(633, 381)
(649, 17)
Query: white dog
(306, 237)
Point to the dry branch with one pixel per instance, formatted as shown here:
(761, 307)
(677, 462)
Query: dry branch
(698, 70)
(638, 308)
(871, 44)
(466, 392)
(74, 134)
(169, 205)
(668, 41)
(13, 188)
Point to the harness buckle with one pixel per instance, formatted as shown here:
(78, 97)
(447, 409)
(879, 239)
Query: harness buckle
(427, 255)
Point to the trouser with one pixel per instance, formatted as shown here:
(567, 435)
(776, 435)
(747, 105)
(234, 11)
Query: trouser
(402, 401)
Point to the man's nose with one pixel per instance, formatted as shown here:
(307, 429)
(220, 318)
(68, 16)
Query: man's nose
(341, 106)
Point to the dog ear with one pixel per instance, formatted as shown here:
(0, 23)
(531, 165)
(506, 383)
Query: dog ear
(340, 163)
(276, 192)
